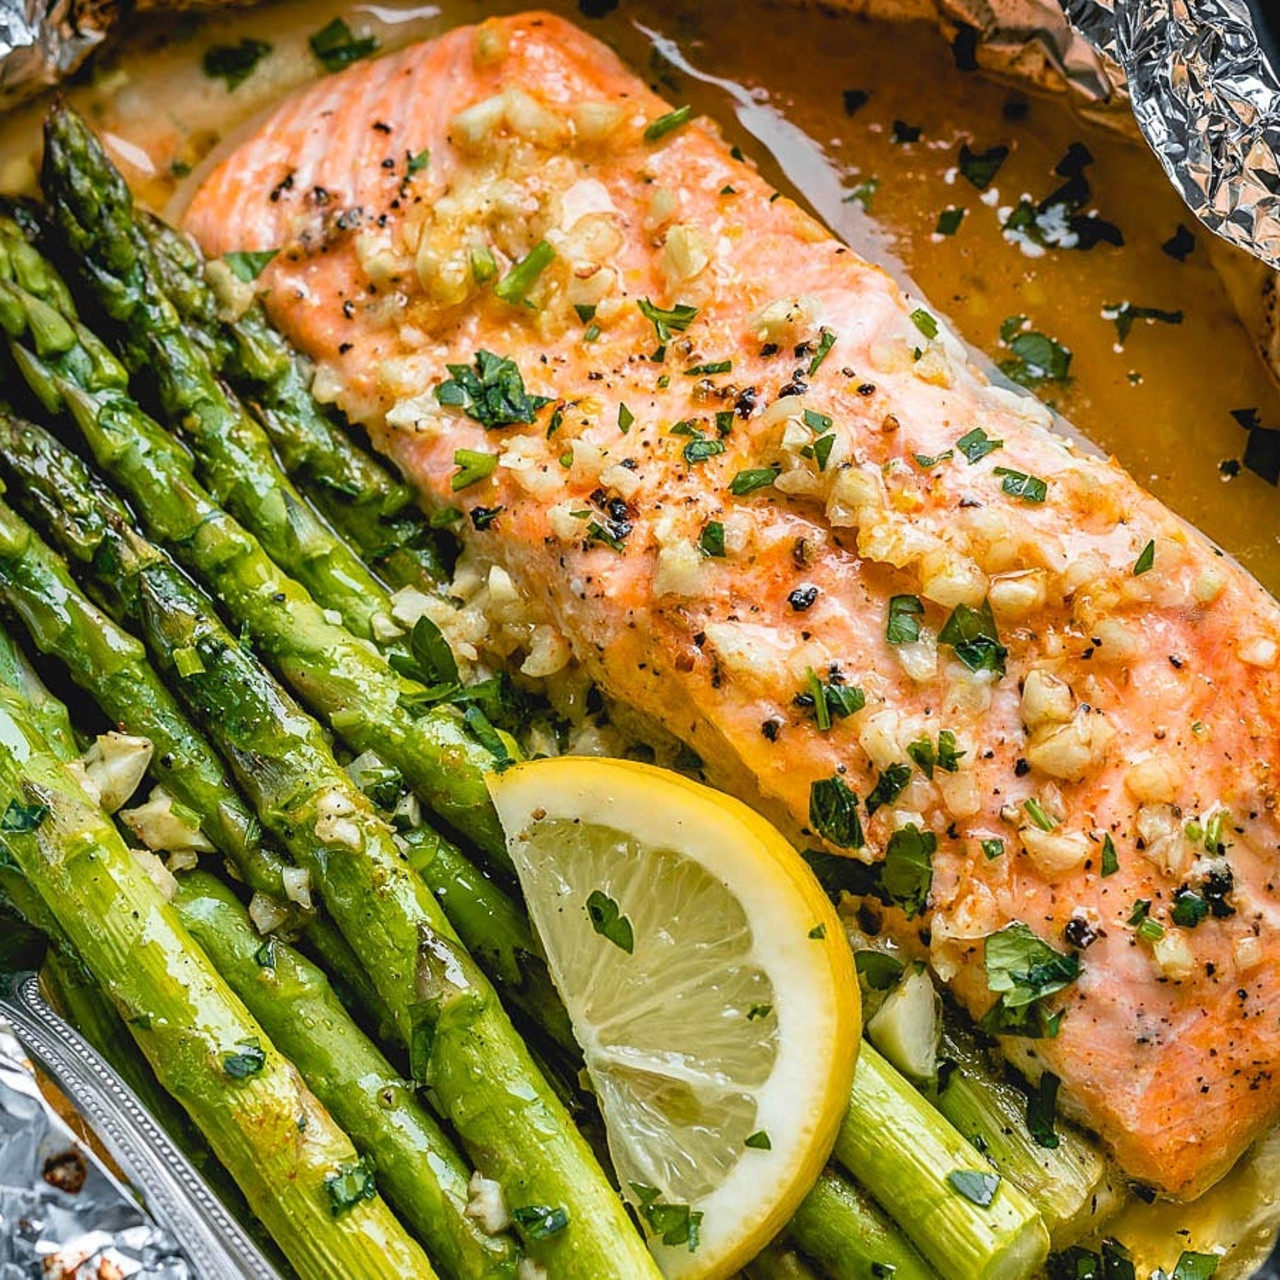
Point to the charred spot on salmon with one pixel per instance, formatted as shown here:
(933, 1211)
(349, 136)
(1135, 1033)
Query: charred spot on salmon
(1024, 971)
(833, 812)
(770, 728)
(492, 392)
(802, 598)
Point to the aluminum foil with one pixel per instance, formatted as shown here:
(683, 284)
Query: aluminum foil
(62, 1213)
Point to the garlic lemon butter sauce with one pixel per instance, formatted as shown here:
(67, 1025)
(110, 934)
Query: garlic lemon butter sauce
(976, 186)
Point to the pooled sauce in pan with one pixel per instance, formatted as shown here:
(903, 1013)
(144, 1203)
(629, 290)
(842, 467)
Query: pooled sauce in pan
(1053, 246)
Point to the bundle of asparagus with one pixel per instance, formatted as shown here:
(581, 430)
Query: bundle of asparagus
(409, 930)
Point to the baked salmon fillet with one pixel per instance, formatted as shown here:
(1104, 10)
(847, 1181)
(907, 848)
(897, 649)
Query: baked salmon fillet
(762, 496)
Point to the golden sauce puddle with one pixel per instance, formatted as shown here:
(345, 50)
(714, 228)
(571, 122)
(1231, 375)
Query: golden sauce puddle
(830, 106)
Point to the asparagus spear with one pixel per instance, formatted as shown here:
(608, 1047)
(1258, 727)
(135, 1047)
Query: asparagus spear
(776, 1262)
(373, 510)
(294, 1165)
(967, 1220)
(417, 1167)
(60, 492)
(462, 1045)
(850, 1237)
(441, 753)
(93, 210)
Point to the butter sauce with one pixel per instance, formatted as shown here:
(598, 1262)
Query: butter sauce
(830, 106)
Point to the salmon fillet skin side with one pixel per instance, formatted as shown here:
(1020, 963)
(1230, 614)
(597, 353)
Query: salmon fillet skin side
(763, 497)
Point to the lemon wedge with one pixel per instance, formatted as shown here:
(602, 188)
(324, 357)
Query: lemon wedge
(709, 984)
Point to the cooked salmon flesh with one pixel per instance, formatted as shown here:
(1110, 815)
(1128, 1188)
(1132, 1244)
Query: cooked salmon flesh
(763, 497)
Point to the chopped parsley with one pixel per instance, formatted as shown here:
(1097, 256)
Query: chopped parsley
(879, 970)
(349, 1185)
(1017, 484)
(514, 287)
(586, 312)
(833, 812)
(863, 193)
(976, 444)
(1146, 561)
(664, 125)
(673, 1223)
(816, 421)
(483, 517)
(927, 324)
(928, 461)
(1189, 908)
(1042, 1105)
(492, 393)
(609, 922)
(906, 875)
(854, 100)
(418, 161)
(993, 849)
(701, 448)
(949, 221)
(247, 265)
(711, 540)
(902, 132)
(265, 956)
(972, 634)
(822, 450)
(1036, 812)
(625, 419)
(830, 699)
(247, 1060)
(1024, 971)
(336, 46)
(234, 63)
(945, 757)
(889, 786)
(979, 168)
(706, 370)
(818, 932)
(750, 480)
(1124, 315)
(1110, 863)
(979, 1188)
(826, 340)
(473, 466)
(667, 319)
(1195, 1266)
(1036, 358)
(759, 1011)
(538, 1221)
(903, 626)
(758, 1141)
(19, 818)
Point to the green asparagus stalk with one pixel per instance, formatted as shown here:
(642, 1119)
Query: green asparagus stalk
(418, 1170)
(776, 1262)
(441, 752)
(1068, 1183)
(850, 1237)
(461, 1042)
(93, 210)
(299, 1171)
(355, 492)
(967, 1220)
(61, 494)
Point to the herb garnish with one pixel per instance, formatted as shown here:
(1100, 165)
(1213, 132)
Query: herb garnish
(976, 444)
(1025, 971)
(972, 634)
(484, 266)
(1036, 359)
(675, 1223)
(830, 699)
(1042, 1104)
(1110, 863)
(1017, 484)
(247, 265)
(351, 1184)
(711, 540)
(750, 480)
(625, 419)
(1036, 812)
(903, 626)
(889, 786)
(1146, 561)
(978, 168)
(903, 132)
(949, 221)
(759, 1011)
(706, 370)
(758, 1141)
(927, 324)
(980, 1188)
(826, 340)
(492, 393)
(418, 161)
(234, 63)
(515, 285)
(667, 319)
(833, 812)
(879, 970)
(609, 922)
(862, 194)
(539, 1220)
(473, 466)
(19, 819)
(946, 757)
(663, 125)
(337, 47)
(928, 461)
(247, 1060)
(993, 849)
(1195, 1266)
(822, 450)
(1123, 314)
(1189, 908)
(906, 874)
(700, 448)
(429, 661)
